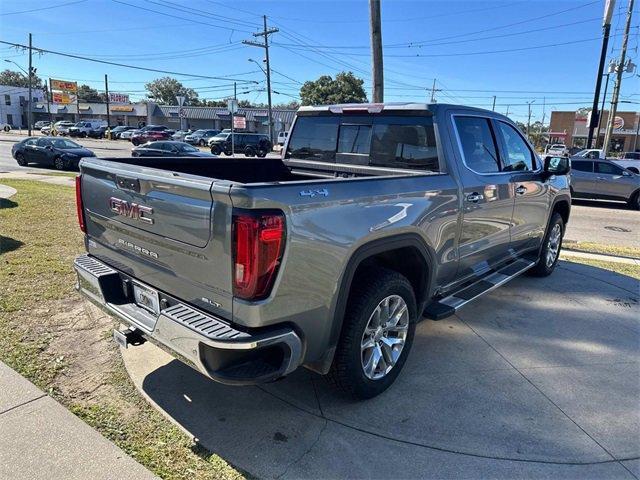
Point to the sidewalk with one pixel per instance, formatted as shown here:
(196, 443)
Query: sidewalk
(40, 439)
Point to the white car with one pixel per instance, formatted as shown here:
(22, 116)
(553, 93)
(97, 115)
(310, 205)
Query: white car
(5, 127)
(557, 149)
(59, 128)
(126, 135)
(593, 153)
(282, 137)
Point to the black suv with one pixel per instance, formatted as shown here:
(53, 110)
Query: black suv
(251, 144)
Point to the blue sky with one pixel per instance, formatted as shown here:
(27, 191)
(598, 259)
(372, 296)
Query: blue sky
(474, 49)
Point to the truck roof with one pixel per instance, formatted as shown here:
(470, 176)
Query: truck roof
(388, 106)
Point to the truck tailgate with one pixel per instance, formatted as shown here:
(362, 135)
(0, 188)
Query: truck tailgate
(160, 227)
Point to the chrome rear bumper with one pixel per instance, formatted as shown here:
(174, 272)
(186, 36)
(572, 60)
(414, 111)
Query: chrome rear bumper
(207, 343)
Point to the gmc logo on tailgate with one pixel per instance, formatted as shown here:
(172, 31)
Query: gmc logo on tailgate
(131, 210)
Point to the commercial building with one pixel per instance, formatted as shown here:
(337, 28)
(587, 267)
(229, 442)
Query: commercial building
(133, 114)
(14, 104)
(219, 118)
(571, 128)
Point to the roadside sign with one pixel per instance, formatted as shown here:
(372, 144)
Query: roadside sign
(618, 123)
(232, 105)
(63, 98)
(64, 86)
(239, 123)
(182, 113)
(118, 97)
(181, 99)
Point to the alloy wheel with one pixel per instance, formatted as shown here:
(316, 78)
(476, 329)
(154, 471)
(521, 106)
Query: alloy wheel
(384, 337)
(553, 244)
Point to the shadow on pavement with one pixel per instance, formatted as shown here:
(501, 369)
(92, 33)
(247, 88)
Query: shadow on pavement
(541, 370)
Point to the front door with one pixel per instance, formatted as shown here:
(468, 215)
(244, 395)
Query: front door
(611, 182)
(531, 207)
(487, 202)
(583, 180)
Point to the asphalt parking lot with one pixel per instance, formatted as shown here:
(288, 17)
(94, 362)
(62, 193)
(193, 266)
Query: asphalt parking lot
(538, 379)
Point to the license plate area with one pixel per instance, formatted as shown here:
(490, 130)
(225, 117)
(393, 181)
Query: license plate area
(146, 298)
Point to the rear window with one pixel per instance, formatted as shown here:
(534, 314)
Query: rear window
(406, 142)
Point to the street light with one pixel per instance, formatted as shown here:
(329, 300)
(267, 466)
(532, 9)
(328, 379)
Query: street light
(259, 66)
(29, 76)
(269, 114)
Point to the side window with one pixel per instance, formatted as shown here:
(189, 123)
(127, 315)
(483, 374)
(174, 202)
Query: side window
(31, 141)
(608, 168)
(518, 157)
(43, 142)
(582, 166)
(314, 138)
(408, 144)
(478, 146)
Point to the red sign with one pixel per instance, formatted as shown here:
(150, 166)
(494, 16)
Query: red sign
(239, 123)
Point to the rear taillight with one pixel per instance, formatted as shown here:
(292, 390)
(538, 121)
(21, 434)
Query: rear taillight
(258, 241)
(79, 206)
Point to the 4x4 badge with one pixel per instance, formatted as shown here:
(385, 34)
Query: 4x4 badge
(312, 193)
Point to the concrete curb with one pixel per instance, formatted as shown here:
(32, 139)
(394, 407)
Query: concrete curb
(54, 179)
(568, 253)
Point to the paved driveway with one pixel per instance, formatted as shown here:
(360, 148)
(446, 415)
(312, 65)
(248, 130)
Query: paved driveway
(538, 379)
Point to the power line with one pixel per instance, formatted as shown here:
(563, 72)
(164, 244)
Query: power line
(135, 67)
(167, 4)
(43, 8)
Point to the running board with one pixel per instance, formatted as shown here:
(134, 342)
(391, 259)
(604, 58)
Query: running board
(449, 305)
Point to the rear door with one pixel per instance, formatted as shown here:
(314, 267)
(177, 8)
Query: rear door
(582, 178)
(531, 206)
(488, 201)
(611, 182)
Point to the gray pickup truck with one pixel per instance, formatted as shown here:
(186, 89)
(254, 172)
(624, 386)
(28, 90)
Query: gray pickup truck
(375, 216)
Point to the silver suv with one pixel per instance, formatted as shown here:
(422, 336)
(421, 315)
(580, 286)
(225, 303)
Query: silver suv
(604, 180)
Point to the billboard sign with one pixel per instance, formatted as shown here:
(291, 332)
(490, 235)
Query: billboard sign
(618, 123)
(239, 123)
(64, 86)
(118, 97)
(63, 98)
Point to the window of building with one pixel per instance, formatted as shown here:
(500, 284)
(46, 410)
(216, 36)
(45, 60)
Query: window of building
(478, 145)
(7, 100)
(518, 157)
(10, 119)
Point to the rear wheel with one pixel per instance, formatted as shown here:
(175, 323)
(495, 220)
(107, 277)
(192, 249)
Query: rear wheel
(21, 160)
(634, 201)
(216, 150)
(202, 143)
(550, 252)
(60, 163)
(377, 334)
(249, 152)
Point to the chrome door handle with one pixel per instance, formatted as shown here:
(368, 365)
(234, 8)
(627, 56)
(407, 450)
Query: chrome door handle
(521, 190)
(474, 197)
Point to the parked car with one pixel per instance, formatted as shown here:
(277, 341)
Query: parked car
(117, 130)
(282, 137)
(61, 153)
(604, 180)
(41, 123)
(248, 268)
(557, 149)
(99, 132)
(631, 156)
(59, 128)
(168, 149)
(148, 135)
(180, 134)
(127, 134)
(251, 144)
(84, 128)
(593, 153)
(200, 137)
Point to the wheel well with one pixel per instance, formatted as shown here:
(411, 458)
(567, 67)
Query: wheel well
(562, 207)
(407, 261)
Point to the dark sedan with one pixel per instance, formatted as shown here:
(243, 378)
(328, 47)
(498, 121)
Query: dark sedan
(60, 153)
(168, 149)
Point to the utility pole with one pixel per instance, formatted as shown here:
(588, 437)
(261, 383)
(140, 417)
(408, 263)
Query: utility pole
(49, 100)
(507, 114)
(233, 118)
(618, 81)
(265, 33)
(606, 28)
(494, 104)
(529, 118)
(377, 73)
(604, 99)
(30, 80)
(106, 96)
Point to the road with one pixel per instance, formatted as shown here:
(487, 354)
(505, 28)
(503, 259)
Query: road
(607, 223)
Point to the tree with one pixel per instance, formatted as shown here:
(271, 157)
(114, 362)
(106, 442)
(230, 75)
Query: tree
(11, 78)
(90, 95)
(293, 105)
(165, 90)
(345, 88)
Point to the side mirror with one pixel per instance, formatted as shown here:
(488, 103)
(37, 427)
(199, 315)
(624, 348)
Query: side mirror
(557, 165)
(625, 173)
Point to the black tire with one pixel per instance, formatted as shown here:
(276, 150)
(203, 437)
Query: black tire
(543, 268)
(135, 142)
(7, 129)
(202, 143)
(216, 150)
(634, 170)
(21, 160)
(347, 371)
(60, 163)
(634, 201)
(249, 152)
(83, 134)
(262, 153)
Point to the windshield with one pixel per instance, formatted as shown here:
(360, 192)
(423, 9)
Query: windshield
(199, 132)
(187, 148)
(64, 144)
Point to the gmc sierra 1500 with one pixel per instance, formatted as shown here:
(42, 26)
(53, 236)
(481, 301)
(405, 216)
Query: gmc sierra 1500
(376, 215)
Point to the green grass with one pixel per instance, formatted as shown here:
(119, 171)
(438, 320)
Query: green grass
(40, 238)
(628, 270)
(55, 174)
(593, 247)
